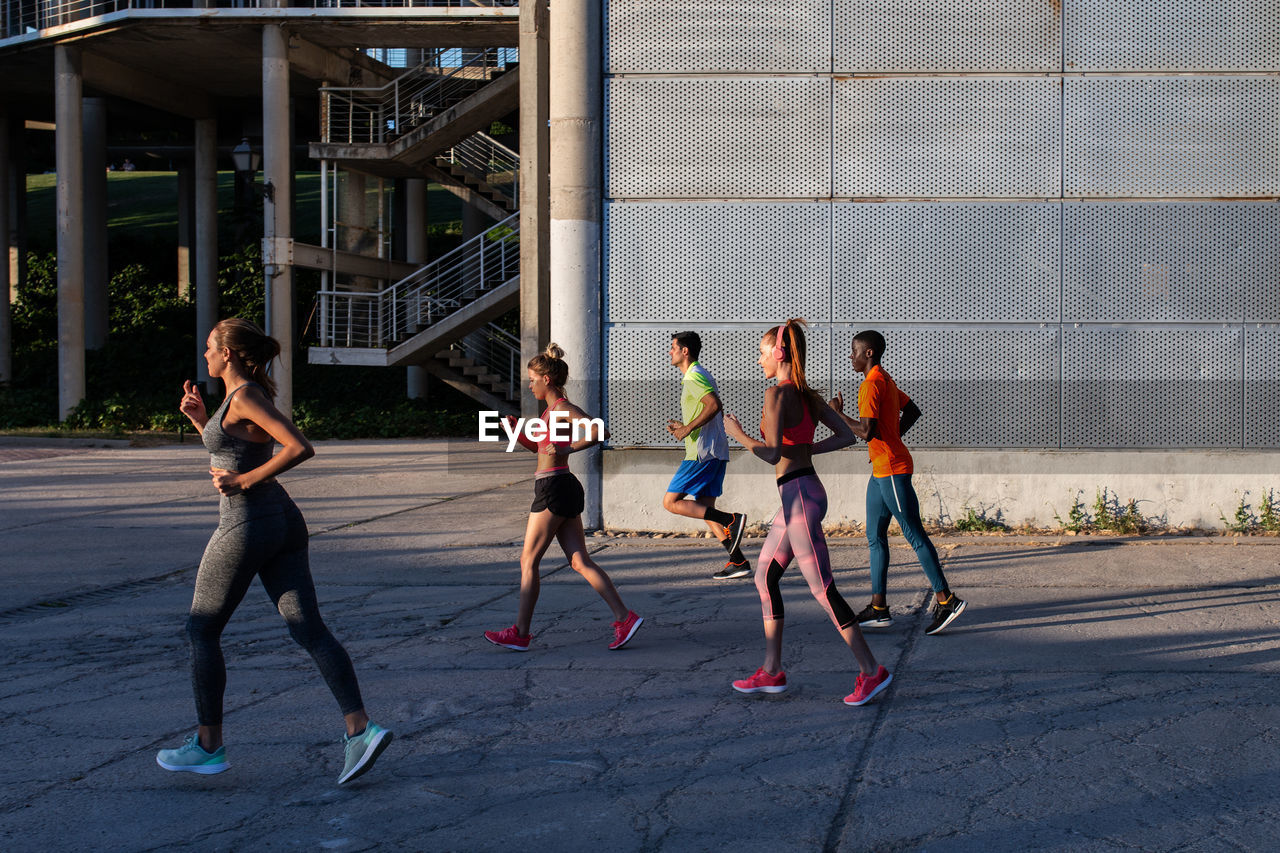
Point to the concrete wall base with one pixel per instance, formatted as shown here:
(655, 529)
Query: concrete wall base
(1173, 488)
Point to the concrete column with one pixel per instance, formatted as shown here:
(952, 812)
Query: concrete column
(575, 108)
(474, 222)
(277, 213)
(186, 230)
(96, 272)
(17, 201)
(205, 175)
(6, 321)
(415, 252)
(68, 87)
(535, 191)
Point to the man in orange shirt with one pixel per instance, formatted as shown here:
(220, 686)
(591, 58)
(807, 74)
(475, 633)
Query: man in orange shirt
(884, 413)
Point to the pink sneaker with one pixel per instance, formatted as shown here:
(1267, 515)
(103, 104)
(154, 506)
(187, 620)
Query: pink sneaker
(509, 638)
(625, 630)
(867, 688)
(762, 682)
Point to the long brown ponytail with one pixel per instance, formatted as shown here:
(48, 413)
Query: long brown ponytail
(254, 347)
(794, 346)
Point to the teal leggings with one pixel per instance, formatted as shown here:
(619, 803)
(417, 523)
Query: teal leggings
(893, 497)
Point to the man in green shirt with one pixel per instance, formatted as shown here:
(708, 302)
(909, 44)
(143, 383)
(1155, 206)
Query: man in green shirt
(700, 476)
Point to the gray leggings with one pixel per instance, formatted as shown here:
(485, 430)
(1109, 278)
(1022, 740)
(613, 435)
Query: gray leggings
(260, 533)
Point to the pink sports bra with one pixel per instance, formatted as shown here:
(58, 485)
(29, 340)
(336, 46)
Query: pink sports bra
(545, 441)
(801, 433)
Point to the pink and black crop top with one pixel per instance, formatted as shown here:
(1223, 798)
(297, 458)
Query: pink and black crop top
(801, 433)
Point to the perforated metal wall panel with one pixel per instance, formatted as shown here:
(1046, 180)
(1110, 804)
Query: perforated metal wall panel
(1178, 35)
(1150, 261)
(1151, 387)
(718, 137)
(644, 389)
(1262, 386)
(1172, 136)
(977, 387)
(718, 35)
(947, 137)
(947, 35)
(731, 261)
(908, 261)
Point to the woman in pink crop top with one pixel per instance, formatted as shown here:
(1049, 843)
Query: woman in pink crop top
(556, 512)
(791, 409)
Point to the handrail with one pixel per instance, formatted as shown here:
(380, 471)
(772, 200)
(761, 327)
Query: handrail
(426, 296)
(378, 114)
(20, 17)
(497, 349)
(490, 161)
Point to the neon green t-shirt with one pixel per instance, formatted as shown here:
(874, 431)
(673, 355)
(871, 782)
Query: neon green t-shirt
(709, 440)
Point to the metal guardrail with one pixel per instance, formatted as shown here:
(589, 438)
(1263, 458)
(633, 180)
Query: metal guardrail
(350, 318)
(20, 17)
(490, 161)
(369, 115)
(498, 350)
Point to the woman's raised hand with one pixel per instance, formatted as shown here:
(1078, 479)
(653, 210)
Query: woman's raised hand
(192, 404)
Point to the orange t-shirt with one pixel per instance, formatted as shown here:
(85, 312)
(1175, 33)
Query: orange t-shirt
(879, 398)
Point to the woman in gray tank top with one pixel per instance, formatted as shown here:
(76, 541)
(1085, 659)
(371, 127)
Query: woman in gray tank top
(260, 533)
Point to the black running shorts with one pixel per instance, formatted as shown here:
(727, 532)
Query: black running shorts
(560, 493)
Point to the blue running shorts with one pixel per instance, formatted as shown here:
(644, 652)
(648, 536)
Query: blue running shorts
(703, 479)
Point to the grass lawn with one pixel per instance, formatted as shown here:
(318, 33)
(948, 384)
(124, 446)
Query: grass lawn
(142, 207)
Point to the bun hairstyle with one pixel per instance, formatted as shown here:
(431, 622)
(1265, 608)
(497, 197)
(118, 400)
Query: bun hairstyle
(789, 347)
(550, 363)
(254, 347)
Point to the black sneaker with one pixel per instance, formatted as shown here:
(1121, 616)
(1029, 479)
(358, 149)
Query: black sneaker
(736, 527)
(733, 570)
(874, 618)
(944, 613)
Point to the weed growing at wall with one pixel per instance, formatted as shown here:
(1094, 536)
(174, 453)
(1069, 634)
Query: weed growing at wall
(1243, 521)
(1109, 515)
(978, 521)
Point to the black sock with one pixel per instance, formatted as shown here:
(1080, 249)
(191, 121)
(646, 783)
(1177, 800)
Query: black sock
(719, 516)
(735, 554)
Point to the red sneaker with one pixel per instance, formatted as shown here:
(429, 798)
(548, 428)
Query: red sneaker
(867, 687)
(625, 630)
(509, 638)
(762, 682)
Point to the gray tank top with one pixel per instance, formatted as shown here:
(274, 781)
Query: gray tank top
(227, 451)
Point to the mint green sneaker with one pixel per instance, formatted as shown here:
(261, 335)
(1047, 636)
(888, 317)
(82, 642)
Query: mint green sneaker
(363, 749)
(192, 758)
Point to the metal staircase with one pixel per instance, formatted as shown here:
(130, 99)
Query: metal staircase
(429, 123)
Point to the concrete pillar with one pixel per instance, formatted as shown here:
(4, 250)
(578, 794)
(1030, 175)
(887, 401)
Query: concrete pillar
(205, 179)
(535, 192)
(277, 212)
(96, 273)
(474, 221)
(6, 321)
(17, 201)
(415, 252)
(68, 87)
(575, 108)
(186, 230)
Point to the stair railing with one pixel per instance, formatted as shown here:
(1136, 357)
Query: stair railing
(426, 296)
(488, 160)
(379, 114)
(498, 350)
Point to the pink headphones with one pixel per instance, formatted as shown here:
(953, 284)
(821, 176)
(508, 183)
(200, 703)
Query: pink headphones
(779, 352)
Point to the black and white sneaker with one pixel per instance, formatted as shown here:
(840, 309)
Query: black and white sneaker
(874, 618)
(944, 613)
(733, 570)
(736, 528)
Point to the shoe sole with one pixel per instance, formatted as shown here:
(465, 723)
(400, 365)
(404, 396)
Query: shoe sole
(719, 576)
(506, 646)
(876, 624)
(774, 688)
(381, 741)
(950, 619)
(202, 769)
(737, 540)
(636, 627)
(873, 694)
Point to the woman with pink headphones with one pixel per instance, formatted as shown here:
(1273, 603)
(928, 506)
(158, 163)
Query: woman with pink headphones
(791, 412)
